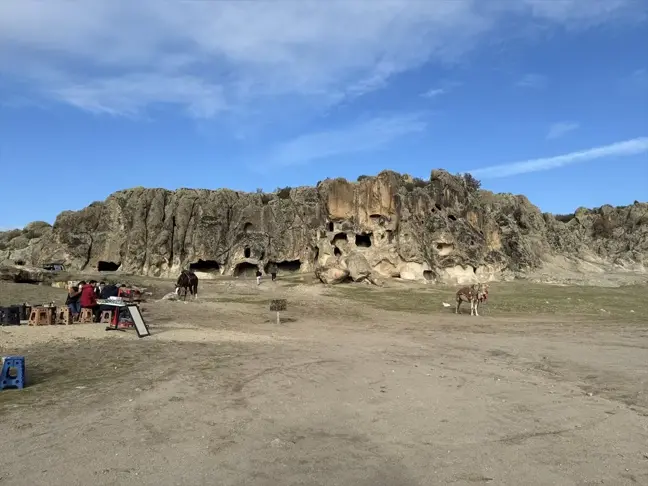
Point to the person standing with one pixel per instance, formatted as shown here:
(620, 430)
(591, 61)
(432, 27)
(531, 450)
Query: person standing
(258, 276)
(273, 271)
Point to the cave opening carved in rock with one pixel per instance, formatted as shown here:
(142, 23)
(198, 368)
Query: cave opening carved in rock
(452, 217)
(444, 248)
(331, 226)
(248, 228)
(286, 266)
(107, 266)
(337, 252)
(247, 252)
(208, 266)
(428, 275)
(339, 237)
(363, 240)
(245, 269)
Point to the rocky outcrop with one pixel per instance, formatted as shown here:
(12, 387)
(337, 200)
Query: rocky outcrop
(331, 274)
(444, 229)
(20, 274)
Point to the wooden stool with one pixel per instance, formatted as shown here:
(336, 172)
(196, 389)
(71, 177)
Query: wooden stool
(41, 316)
(86, 317)
(63, 316)
(106, 317)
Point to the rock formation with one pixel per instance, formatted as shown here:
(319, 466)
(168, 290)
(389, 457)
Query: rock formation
(391, 225)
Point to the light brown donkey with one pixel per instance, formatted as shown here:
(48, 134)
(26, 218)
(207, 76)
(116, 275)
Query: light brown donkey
(475, 294)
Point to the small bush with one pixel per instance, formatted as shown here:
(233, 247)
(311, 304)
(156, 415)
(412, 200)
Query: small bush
(284, 193)
(363, 177)
(418, 182)
(565, 218)
(471, 182)
(11, 234)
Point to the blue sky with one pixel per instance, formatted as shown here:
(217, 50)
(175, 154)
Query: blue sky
(547, 98)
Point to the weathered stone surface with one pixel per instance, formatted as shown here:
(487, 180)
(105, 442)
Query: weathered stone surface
(357, 265)
(442, 230)
(331, 274)
(20, 274)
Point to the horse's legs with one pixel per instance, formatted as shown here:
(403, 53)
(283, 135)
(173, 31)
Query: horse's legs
(196, 290)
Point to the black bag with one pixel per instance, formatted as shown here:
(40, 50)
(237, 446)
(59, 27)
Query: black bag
(10, 316)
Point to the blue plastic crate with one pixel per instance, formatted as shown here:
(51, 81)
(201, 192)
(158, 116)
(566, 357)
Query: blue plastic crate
(17, 364)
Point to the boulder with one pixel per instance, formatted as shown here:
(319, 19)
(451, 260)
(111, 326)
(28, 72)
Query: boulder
(332, 275)
(357, 265)
(20, 274)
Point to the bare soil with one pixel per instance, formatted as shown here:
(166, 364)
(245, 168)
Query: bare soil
(357, 386)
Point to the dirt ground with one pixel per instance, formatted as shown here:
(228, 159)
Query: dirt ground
(357, 386)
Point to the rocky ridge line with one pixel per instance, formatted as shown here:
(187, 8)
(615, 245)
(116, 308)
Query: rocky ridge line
(390, 225)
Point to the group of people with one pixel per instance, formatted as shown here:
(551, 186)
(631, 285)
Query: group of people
(85, 296)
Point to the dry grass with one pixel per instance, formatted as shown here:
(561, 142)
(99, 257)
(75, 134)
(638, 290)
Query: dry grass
(13, 294)
(512, 298)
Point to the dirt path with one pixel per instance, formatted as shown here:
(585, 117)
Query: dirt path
(342, 393)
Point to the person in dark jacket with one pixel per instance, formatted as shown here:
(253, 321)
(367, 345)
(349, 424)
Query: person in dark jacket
(72, 300)
(107, 292)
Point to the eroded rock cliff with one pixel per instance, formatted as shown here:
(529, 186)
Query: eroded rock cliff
(443, 229)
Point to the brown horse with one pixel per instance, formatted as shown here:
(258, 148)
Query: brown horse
(189, 282)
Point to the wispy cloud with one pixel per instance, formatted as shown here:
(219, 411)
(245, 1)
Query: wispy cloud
(362, 136)
(561, 129)
(442, 88)
(127, 95)
(434, 92)
(627, 148)
(531, 80)
(637, 82)
(213, 57)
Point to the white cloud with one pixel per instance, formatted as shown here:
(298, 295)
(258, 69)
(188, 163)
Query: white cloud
(531, 80)
(434, 92)
(561, 129)
(627, 148)
(637, 82)
(362, 136)
(127, 95)
(120, 56)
